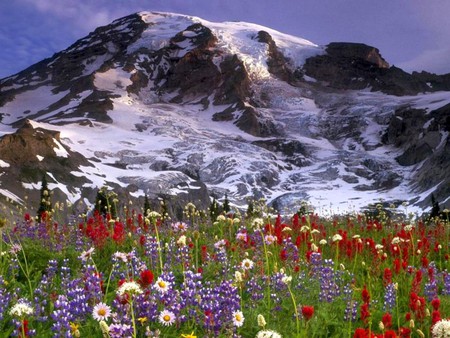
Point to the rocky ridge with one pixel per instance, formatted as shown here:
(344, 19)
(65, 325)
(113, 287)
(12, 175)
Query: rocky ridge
(200, 109)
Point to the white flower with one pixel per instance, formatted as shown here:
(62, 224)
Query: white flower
(261, 320)
(161, 285)
(179, 226)
(270, 239)
(166, 317)
(121, 256)
(247, 264)
(257, 223)
(304, 228)
(378, 247)
(15, 248)
(268, 334)
(395, 240)
(238, 277)
(221, 218)
(236, 221)
(441, 329)
(85, 255)
(238, 318)
(337, 238)
(323, 242)
(182, 240)
(315, 231)
(241, 236)
(314, 248)
(21, 309)
(220, 244)
(101, 312)
(153, 214)
(409, 227)
(286, 279)
(132, 288)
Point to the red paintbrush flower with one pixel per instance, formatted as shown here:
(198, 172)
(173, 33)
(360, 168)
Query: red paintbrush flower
(436, 303)
(365, 295)
(146, 278)
(307, 312)
(435, 316)
(387, 320)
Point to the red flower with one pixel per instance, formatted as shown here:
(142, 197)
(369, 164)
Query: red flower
(307, 312)
(365, 314)
(387, 277)
(435, 303)
(387, 320)
(435, 316)
(405, 332)
(365, 295)
(389, 334)
(146, 278)
(360, 333)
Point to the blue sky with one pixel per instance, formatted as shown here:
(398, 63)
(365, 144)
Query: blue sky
(411, 34)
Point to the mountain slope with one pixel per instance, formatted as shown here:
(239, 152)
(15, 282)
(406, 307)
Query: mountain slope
(182, 109)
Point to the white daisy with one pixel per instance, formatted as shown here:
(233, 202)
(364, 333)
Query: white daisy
(85, 255)
(161, 285)
(270, 239)
(166, 317)
(238, 318)
(101, 312)
(121, 256)
(247, 264)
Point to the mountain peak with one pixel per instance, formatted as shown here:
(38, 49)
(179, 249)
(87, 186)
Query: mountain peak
(169, 104)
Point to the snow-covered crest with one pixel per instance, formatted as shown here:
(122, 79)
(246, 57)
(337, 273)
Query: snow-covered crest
(274, 131)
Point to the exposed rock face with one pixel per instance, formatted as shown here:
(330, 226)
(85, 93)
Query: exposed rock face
(31, 152)
(424, 139)
(276, 61)
(358, 66)
(177, 107)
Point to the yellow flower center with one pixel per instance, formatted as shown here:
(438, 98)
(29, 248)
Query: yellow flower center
(238, 317)
(166, 318)
(101, 311)
(162, 284)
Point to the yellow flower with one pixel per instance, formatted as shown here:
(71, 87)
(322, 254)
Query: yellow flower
(142, 320)
(189, 335)
(74, 326)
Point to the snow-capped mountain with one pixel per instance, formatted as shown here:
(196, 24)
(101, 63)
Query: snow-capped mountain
(180, 108)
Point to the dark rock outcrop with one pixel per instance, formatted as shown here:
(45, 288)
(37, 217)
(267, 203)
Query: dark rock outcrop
(358, 66)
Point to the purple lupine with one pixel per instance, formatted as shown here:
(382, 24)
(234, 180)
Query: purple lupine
(351, 311)
(291, 250)
(151, 252)
(446, 287)
(61, 318)
(190, 289)
(92, 283)
(120, 330)
(255, 286)
(329, 289)
(42, 292)
(278, 288)
(431, 290)
(79, 302)
(5, 298)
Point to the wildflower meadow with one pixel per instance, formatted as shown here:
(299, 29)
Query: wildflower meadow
(231, 274)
